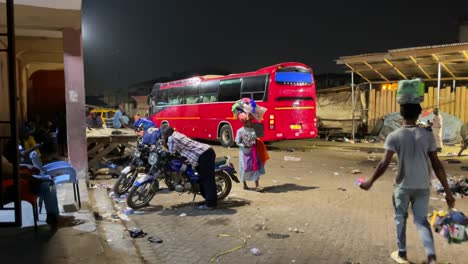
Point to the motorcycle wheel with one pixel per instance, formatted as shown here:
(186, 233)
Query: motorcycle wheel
(125, 182)
(223, 184)
(140, 196)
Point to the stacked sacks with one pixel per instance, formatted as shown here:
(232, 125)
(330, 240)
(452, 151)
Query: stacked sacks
(453, 225)
(410, 91)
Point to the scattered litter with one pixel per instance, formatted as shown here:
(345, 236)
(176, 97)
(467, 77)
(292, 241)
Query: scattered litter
(97, 216)
(109, 240)
(256, 251)
(137, 233)
(138, 212)
(289, 158)
(356, 171)
(298, 178)
(183, 214)
(336, 174)
(434, 198)
(100, 186)
(123, 216)
(277, 236)
(293, 261)
(295, 230)
(128, 211)
(452, 161)
(155, 240)
(451, 154)
(112, 194)
(244, 242)
(123, 196)
(259, 227)
(274, 181)
(457, 185)
(291, 150)
(371, 158)
(341, 189)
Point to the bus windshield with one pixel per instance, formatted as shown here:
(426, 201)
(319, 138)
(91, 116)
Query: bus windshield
(295, 75)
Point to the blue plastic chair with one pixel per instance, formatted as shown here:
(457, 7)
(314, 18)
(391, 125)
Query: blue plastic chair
(61, 172)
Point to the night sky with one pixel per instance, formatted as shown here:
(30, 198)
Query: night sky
(129, 41)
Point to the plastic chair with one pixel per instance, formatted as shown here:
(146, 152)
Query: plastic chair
(25, 195)
(61, 172)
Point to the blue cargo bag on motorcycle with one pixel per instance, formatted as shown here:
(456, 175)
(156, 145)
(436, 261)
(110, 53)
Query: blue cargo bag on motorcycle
(151, 136)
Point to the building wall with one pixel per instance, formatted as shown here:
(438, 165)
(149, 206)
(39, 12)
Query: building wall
(463, 32)
(46, 94)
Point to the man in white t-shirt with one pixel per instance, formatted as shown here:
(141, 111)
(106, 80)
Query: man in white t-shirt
(415, 147)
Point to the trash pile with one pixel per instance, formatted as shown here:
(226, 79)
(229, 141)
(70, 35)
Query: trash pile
(452, 225)
(457, 185)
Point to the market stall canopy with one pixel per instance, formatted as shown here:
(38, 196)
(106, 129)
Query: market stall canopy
(43, 18)
(401, 64)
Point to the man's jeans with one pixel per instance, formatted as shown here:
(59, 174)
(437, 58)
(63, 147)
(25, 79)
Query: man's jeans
(49, 193)
(419, 199)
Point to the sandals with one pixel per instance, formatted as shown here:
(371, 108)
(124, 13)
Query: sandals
(259, 189)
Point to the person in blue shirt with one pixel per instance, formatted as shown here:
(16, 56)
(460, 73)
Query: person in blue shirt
(118, 121)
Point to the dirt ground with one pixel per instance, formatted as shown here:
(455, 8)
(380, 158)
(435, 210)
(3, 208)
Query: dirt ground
(311, 197)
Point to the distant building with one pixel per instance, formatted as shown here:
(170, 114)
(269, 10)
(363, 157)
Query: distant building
(463, 31)
(330, 80)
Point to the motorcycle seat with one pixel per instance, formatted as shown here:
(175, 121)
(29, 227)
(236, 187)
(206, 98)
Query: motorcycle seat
(221, 161)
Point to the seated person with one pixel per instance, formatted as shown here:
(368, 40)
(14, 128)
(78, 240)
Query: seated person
(94, 121)
(40, 188)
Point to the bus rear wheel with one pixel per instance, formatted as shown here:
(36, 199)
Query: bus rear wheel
(225, 136)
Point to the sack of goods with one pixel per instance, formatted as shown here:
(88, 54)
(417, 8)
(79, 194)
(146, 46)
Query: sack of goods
(452, 225)
(410, 91)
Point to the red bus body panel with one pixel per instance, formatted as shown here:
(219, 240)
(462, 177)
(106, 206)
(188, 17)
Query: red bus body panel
(292, 119)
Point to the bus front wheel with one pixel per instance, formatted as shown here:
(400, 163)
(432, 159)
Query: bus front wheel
(225, 136)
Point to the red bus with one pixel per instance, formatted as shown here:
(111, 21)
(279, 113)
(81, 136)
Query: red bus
(200, 107)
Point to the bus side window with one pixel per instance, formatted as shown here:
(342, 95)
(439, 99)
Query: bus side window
(230, 90)
(254, 87)
(209, 91)
(161, 97)
(191, 94)
(176, 96)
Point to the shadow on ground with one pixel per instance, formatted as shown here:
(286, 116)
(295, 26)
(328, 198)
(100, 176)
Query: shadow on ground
(288, 187)
(224, 208)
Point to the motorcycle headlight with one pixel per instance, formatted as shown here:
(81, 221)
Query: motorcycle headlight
(153, 158)
(137, 154)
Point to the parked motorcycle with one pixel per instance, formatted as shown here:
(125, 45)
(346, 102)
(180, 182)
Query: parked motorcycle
(179, 176)
(139, 164)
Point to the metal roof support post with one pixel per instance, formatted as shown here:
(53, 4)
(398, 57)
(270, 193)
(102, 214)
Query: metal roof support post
(454, 84)
(352, 99)
(438, 84)
(10, 7)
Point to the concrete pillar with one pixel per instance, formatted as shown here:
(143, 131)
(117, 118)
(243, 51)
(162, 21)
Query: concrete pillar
(75, 101)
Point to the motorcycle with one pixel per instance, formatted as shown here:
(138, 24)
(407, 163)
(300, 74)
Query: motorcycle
(139, 164)
(178, 176)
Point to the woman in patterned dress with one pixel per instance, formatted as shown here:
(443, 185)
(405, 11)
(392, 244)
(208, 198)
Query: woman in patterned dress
(250, 167)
